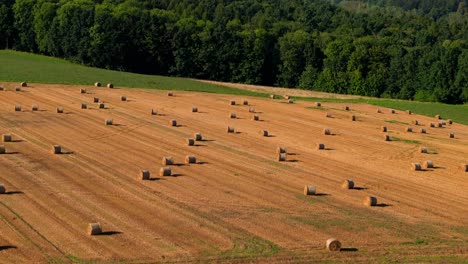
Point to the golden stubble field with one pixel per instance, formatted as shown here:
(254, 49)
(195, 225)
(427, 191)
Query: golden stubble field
(238, 203)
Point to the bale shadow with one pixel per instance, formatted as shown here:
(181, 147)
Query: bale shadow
(270, 136)
(293, 160)
(109, 233)
(321, 194)
(199, 145)
(349, 249)
(383, 205)
(202, 162)
(17, 140)
(66, 153)
(11, 152)
(156, 179)
(237, 132)
(180, 126)
(439, 167)
(293, 154)
(202, 112)
(119, 125)
(328, 149)
(208, 140)
(179, 164)
(7, 247)
(14, 192)
(177, 175)
(359, 188)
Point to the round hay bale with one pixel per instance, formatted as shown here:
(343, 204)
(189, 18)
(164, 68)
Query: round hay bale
(440, 124)
(437, 116)
(333, 244)
(24, 84)
(282, 156)
(170, 93)
(154, 112)
(443, 122)
(264, 133)
(464, 167)
(165, 171)
(423, 131)
(2, 88)
(290, 101)
(6, 137)
(416, 166)
(173, 123)
(346, 108)
(379, 111)
(432, 124)
(59, 110)
(194, 109)
(353, 118)
(326, 131)
(286, 97)
(144, 175)
(2, 189)
(449, 121)
(416, 122)
(329, 114)
(109, 122)
(189, 159)
(318, 104)
(96, 100)
(272, 96)
(2, 150)
(167, 161)
(255, 118)
(348, 184)
(18, 108)
(251, 110)
(198, 136)
(451, 135)
(190, 142)
(101, 106)
(97, 84)
(387, 137)
(370, 201)
(34, 108)
(110, 85)
(123, 98)
(56, 149)
(18, 89)
(82, 90)
(428, 164)
(310, 190)
(281, 150)
(233, 115)
(422, 150)
(84, 106)
(408, 112)
(245, 102)
(94, 229)
(320, 146)
(232, 102)
(230, 129)
(392, 111)
(409, 129)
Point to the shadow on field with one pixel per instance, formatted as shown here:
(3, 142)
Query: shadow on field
(110, 233)
(6, 247)
(14, 192)
(349, 249)
(383, 205)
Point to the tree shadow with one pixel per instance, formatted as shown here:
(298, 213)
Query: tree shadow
(7, 247)
(109, 233)
(349, 249)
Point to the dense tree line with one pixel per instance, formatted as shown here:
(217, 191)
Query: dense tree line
(408, 49)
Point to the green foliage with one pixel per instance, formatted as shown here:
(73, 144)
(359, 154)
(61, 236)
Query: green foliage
(383, 48)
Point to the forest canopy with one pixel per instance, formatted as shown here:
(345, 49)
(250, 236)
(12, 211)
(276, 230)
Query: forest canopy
(406, 49)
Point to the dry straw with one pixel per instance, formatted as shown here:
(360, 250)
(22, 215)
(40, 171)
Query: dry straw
(97, 84)
(110, 85)
(190, 142)
(416, 166)
(56, 149)
(348, 184)
(109, 122)
(370, 201)
(173, 123)
(198, 136)
(333, 244)
(320, 146)
(428, 164)
(167, 161)
(94, 229)
(144, 175)
(190, 159)
(165, 171)
(282, 156)
(310, 190)
(6, 137)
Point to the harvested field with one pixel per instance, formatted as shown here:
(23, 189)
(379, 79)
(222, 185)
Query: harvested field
(219, 210)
